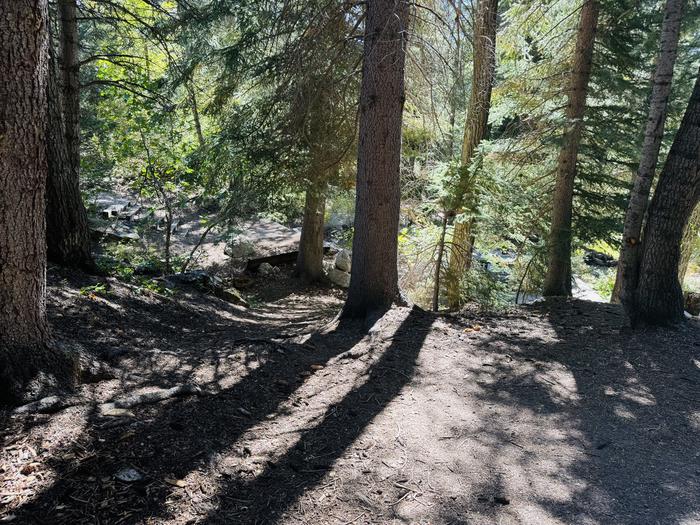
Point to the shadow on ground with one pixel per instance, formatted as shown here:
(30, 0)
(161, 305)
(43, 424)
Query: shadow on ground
(547, 415)
(213, 433)
(588, 424)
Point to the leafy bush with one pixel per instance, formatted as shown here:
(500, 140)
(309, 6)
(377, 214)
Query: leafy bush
(95, 289)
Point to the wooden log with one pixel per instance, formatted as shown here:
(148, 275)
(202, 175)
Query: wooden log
(275, 260)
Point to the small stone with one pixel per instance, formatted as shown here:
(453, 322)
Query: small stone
(129, 475)
(176, 482)
(692, 303)
(29, 468)
(109, 410)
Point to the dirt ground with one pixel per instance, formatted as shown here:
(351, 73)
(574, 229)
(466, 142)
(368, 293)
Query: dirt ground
(548, 414)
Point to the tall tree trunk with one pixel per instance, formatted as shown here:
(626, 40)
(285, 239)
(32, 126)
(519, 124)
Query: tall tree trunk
(558, 278)
(70, 68)
(195, 113)
(690, 235)
(25, 360)
(475, 130)
(374, 282)
(457, 80)
(67, 232)
(438, 265)
(626, 278)
(23, 166)
(658, 298)
(310, 259)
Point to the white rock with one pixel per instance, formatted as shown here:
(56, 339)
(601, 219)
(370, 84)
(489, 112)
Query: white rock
(343, 261)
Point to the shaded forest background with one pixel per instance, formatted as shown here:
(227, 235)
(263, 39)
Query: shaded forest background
(249, 110)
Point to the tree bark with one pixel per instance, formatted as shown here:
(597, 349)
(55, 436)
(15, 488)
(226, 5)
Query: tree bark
(658, 298)
(195, 113)
(374, 281)
(475, 130)
(558, 278)
(25, 359)
(23, 170)
(70, 68)
(67, 231)
(690, 235)
(626, 278)
(168, 235)
(310, 259)
(438, 265)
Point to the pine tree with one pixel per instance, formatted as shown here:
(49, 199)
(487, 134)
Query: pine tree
(309, 264)
(67, 233)
(298, 67)
(558, 277)
(26, 361)
(374, 281)
(475, 130)
(688, 242)
(653, 135)
(658, 298)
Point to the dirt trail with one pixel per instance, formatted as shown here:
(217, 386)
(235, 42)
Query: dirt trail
(546, 415)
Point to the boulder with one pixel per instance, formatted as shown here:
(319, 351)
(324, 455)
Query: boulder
(239, 248)
(113, 211)
(594, 258)
(208, 283)
(338, 276)
(266, 269)
(343, 261)
(231, 295)
(692, 303)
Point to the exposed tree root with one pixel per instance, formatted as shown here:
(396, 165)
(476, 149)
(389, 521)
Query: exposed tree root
(31, 373)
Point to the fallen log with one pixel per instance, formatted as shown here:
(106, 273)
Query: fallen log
(275, 260)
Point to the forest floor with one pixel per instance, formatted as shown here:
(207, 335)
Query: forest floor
(545, 414)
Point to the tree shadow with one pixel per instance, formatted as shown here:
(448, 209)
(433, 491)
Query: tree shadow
(607, 423)
(305, 465)
(173, 439)
(619, 415)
